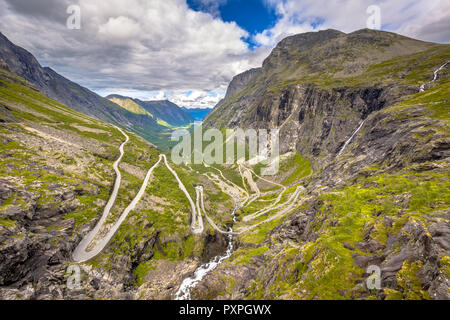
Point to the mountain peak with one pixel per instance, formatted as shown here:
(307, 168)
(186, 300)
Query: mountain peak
(307, 38)
(350, 52)
(240, 81)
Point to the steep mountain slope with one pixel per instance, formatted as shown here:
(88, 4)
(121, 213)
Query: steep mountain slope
(344, 73)
(168, 112)
(23, 64)
(240, 82)
(56, 175)
(197, 113)
(164, 110)
(378, 193)
(363, 181)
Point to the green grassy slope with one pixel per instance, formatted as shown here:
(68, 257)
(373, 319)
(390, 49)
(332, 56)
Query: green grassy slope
(57, 163)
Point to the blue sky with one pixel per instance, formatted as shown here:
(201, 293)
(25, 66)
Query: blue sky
(254, 16)
(188, 51)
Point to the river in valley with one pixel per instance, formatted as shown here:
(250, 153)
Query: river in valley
(184, 292)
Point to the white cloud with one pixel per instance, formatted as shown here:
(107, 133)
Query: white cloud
(133, 45)
(433, 24)
(424, 19)
(143, 47)
(119, 29)
(188, 99)
(196, 99)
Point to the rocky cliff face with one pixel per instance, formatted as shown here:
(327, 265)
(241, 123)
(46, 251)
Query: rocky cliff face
(319, 86)
(379, 200)
(239, 82)
(22, 63)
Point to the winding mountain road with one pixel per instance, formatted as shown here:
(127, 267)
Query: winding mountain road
(270, 207)
(286, 207)
(228, 181)
(290, 204)
(197, 221)
(81, 252)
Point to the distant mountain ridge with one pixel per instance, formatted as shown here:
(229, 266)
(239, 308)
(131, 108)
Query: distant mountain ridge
(163, 110)
(309, 67)
(23, 64)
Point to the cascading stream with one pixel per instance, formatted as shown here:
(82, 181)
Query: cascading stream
(423, 86)
(351, 138)
(184, 292)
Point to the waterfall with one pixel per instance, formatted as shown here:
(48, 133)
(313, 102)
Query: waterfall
(350, 139)
(184, 292)
(422, 87)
